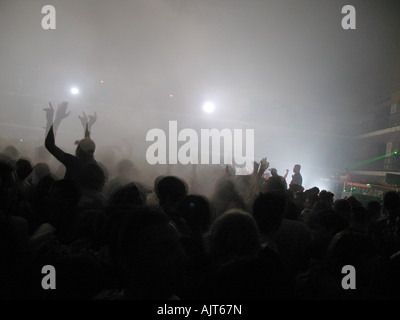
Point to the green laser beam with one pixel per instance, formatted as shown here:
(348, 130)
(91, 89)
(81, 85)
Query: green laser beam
(361, 163)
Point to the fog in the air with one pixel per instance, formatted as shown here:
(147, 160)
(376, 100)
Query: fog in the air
(286, 69)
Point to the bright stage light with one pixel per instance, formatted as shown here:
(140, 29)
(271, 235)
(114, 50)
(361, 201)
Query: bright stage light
(209, 107)
(74, 90)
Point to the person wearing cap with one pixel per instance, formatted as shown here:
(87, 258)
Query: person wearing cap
(84, 153)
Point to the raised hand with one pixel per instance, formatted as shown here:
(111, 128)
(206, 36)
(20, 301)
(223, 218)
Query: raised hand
(84, 119)
(88, 120)
(287, 172)
(256, 166)
(49, 114)
(61, 113)
(264, 164)
(92, 120)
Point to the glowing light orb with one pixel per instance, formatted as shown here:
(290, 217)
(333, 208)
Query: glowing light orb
(75, 90)
(209, 107)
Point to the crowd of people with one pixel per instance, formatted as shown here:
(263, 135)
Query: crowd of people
(110, 236)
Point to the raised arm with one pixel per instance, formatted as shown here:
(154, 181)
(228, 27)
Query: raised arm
(255, 180)
(52, 148)
(49, 119)
(264, 164)
(51, 128)
(87, 132)
(87, 122)
(287, 172)
(61, 114)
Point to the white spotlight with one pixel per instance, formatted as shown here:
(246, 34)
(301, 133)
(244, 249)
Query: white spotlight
(209, 107)
(74, 90)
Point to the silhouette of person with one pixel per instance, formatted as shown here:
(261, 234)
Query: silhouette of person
(84, 153)
(297, 178)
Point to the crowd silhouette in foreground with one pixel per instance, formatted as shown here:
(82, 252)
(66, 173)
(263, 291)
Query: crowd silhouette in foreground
(111, 236)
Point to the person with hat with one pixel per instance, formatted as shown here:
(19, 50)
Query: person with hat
(84, 153)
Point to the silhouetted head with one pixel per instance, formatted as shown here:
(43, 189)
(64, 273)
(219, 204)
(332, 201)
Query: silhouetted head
(391, 201)
(313, 190)
(85, 148)
(296, 187)
(170, 190)
(268, 211)
(354, 202)
(128, 195)
(234, 234)
(319, 206)
(274, 172)
(23, 168)
(343, 207)
(275, 184)
(327, 197)
(374, 207)
(11, 152)
(157, 180)
(296, 168)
